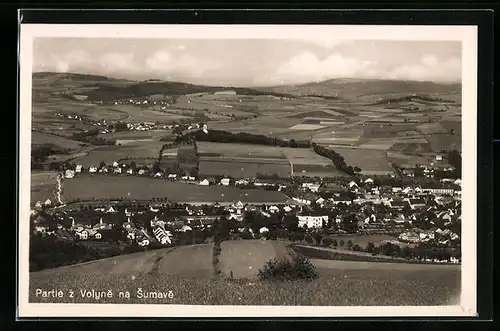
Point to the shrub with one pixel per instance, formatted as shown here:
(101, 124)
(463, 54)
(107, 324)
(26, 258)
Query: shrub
(298, 268)
(327, 241)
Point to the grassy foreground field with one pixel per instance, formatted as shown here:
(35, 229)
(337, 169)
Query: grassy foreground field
(188, 277)
(244, 258)
(108, 187)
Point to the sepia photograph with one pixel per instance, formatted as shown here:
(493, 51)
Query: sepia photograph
(268, 170)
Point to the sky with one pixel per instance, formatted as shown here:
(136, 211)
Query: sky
(251, 62)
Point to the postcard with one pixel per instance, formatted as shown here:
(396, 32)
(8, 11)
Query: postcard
(247, 171)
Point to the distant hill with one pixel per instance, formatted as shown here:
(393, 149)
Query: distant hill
(355, 88)
(367, 90)
(100, 88)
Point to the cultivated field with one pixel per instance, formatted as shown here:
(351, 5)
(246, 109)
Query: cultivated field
(108, 187)
(243, 168)
(210, 149)
(137, 135)
(43, 185)
(109, 154)
(244, 258)
(370, 161)
(40, 138)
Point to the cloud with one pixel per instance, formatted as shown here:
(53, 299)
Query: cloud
(307, 66)
(328, 43)
(178, 47)
(112, 62)
(430, 68)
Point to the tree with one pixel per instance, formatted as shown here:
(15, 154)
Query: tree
(102, 165)
(133, 166)
(291, 222)
(342, 243)
(335, 243)
(357, 169)
(370, 247)
(350, 244)
(327, 241)
(317, 238)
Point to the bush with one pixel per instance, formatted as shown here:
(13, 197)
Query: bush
(298, 268)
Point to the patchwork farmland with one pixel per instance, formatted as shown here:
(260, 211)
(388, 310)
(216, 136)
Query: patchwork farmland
(104, 187)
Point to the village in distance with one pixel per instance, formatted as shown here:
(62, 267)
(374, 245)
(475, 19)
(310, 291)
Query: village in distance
(331, 188)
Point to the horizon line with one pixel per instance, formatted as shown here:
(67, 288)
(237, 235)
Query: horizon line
(252, 85)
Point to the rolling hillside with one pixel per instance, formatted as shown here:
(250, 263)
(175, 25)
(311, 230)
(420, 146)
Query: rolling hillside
(187, 273)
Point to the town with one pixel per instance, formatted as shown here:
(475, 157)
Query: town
(318, 211)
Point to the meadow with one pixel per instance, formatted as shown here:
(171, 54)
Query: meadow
(106, 187)
(41, 138)
(243, 168)
(109, 154)
(43, 185)
(136, 135)
(244, 258)
(368, 160)
(187, 275)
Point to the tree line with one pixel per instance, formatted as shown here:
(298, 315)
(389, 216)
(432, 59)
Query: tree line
(337, 159)
(241, 138)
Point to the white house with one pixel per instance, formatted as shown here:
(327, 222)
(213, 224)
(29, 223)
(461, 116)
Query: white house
(130, 171)
(185, 228)
(115, 164)
(313, 187)
(78, 168)
(263, 230)
(118, 170)
(312, 221)
(158, 175)
(47, 202)
(97, 236)
(172, 176)
(69, 173)
(287, 209)
(242, 182)
(353, 184)
(302, 201)
(143, 242)
(225, 181)
(93, 169)
(142, 172)
(369, 181)
(161, 235)
(38, 204)
(439, 158)
(83, 234)
(273, 209)
(204, 182)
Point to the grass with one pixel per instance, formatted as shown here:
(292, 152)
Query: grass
(244, 258)
(243, 168)
(110, 154)
(42, 186)
(240, 150)
(366, 159)
(131, 135)
(40, 138)
(108, 187)
(339, 283)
